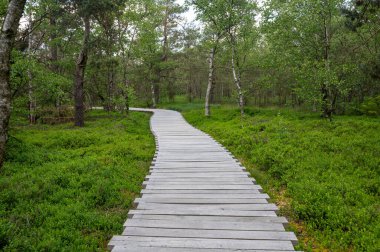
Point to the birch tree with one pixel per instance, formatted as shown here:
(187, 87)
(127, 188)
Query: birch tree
(234, 21)
(7, 36)
(211, 73)
(240, 25)
(32, 100)
(212, 14)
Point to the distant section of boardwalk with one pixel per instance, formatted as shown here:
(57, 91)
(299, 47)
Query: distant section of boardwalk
(197, 197)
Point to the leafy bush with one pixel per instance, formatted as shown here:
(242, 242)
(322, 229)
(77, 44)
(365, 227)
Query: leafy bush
(63, 111)
(371, 106)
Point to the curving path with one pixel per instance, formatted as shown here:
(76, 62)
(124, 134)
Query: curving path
(197, 197)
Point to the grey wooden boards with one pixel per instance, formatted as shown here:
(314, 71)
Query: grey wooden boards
(198, 197)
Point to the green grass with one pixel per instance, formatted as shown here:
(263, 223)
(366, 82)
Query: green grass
(324, 175)
(69, 189)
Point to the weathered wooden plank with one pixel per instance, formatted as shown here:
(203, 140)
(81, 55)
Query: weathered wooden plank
(200, 155)
(210, 234)
(204, 212)
(179, 164)
(255, 195)
(205, 224)
(204, 175)
(195, 170)
(247, 183)
(200, 201)
(191, 160)
(142, 248)
(157, 171)
(199, 165)
(184, 139)
(185, 179)
(205, 144)
(156, 183)
(200, 187)
(202, 207)
(196, 162)
(243, 219)
(187, 139)
(196, 180)
(181, 143)
(152, 191)
(189, 148)
(195, 151)
(200, 183)
(203, 243)
(195, 158)
(199, 175)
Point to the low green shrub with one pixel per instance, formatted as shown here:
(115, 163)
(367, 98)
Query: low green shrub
(69, 189)
(371, 106)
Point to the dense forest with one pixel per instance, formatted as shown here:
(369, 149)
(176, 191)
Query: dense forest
(61, 58)
(319, 55)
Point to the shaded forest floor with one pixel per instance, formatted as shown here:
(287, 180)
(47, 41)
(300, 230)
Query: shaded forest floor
(69, 189)
(325, 176)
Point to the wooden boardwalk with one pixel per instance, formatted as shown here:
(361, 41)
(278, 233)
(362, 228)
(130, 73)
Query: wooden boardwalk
(197, 197)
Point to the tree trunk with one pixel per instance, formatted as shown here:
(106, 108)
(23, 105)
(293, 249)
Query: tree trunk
(190, 81)
(126, 96)
(165, 46)
(126, 91)
(54, 54)
(327, 106)
(111, 67)
(171, 90)
(222, 91)
(153, 90)
(53, 45)
(189, 91)
(164, 74)
(79, 76)
(32, 100)
(211, 71)
(157, 91)
(110, 88)
(237, 79)
(7, 37)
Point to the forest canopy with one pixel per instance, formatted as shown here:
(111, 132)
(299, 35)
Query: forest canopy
(319, 55)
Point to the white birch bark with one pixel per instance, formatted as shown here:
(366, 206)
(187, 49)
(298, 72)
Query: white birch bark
(211, 70)
(237, 79)
(7, 36)
(32, 100)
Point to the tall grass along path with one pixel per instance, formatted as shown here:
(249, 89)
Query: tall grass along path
(197, 197)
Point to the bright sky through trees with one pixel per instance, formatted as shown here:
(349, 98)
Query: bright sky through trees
(189, 16)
